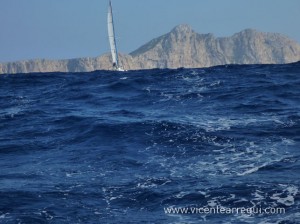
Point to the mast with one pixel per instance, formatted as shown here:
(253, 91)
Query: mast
(112, 39)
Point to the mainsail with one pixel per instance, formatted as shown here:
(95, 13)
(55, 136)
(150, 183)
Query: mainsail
(112, 39)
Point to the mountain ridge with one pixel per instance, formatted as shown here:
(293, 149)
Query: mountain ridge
(181, 47)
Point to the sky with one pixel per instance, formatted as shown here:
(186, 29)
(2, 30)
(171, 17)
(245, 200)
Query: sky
(63, 29)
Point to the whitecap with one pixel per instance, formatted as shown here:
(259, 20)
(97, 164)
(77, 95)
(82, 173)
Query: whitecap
(287, 197)
(252, 170)
(217, 83)
(3, 216)
(288, 141)
(212, 203)
(68, 175)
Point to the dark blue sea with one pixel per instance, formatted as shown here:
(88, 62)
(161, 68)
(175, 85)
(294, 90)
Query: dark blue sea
(151, 146)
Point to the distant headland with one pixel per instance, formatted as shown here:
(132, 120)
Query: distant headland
(181, 47)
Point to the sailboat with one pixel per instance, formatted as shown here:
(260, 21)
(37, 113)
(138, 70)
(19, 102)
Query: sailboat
(112, 39)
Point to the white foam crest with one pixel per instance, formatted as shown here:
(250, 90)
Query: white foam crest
(270, 222)
(252, 170)
(181, 194)
(47, 215)
(149, 183)
(213, 203)
(247, 159)
(216, 83)
(258, 195)
(287, 197)
(4, 216)
(229, 157)
(287, 141)
(211, 123)
(166, 96)
(11, 112)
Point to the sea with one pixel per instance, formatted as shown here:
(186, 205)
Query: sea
(207, 145)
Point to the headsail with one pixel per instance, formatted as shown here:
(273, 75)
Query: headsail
(112, 39)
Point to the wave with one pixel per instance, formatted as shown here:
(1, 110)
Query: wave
(111, 145)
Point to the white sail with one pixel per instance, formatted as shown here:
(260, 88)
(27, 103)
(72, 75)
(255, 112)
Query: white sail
(112, 39)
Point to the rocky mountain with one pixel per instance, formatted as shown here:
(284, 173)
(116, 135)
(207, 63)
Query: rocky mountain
(68, 65)
(182, 47)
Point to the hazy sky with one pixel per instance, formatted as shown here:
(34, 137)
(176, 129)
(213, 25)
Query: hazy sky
(57, 29)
